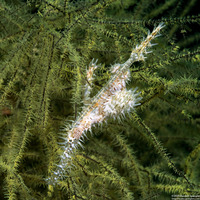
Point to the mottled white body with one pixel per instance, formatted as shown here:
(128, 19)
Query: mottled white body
(112, 101)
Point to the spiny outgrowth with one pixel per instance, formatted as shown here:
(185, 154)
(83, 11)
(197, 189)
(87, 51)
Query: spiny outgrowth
(114, 100)
(89, 79)
(121, 103)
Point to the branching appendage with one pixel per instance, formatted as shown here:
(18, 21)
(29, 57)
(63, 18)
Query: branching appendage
(113, 100)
